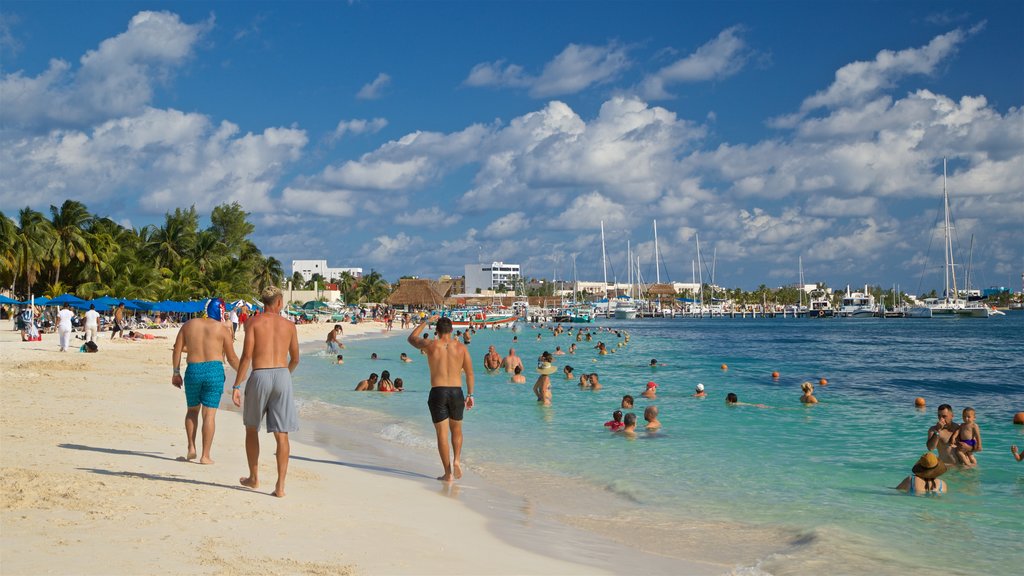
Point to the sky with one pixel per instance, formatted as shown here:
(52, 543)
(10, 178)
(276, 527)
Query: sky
(413, 138)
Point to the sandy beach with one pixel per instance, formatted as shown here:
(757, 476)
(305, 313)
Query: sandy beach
(92, 483)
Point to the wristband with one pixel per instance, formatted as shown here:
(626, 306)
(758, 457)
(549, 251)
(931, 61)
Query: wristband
(177, 371)
(236, 386)
(470, 396)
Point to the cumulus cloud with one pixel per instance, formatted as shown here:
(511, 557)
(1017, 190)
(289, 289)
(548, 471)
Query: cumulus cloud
(358, 126)
(160, 158)
(513, 224)
(428, 217)
(374, 90)
(115, 79)
(576, 68)
(719, 58)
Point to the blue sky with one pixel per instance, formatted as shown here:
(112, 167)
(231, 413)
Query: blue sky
(417, 137)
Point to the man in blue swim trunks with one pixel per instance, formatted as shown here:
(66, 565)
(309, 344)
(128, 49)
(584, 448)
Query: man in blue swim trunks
(448, 359)
(208, 341)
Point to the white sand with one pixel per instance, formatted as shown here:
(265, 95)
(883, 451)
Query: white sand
(91, 484)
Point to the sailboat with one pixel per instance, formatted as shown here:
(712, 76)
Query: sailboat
(951, 304)
(625, 309)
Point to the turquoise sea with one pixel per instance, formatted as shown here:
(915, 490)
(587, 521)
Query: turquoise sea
(787, 489)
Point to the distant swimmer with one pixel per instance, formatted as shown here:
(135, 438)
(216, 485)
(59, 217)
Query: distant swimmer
(601, 348)
(341, 359)
(568, 372)
(924, 476)
(732, 400)
(651, 391)
(558, 351)
(595, 385)
(629, 425)
(655, 363)
(1017, 455)
(517, 377)
(572, 348)
(651, 416)
(510, 362)
(404, 357)
(700, 393)
(627, 401)
(492, 361)
(615, 424)
(366, 385)
(808, 393)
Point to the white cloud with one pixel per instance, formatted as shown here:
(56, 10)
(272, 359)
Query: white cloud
(115, 79)
(514, 224)
(385, 250)
(326, 202)
(358, 126)
(429, 217)
(374, 90)
(719, 58)
(576, 68)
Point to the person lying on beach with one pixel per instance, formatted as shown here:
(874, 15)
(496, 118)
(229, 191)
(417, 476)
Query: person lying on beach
(651, 416)
(700, 393)
(341, 359)
(808, 396)
(651, 391)
(368, 384)
(132, 335)
(732, 400)
(924, 476)
(615, 424)
(629, 425)
(627, 401)
(517, 377)
(967, 440)
(1018, 456)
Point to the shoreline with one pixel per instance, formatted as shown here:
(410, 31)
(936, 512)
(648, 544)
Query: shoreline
(91, 471)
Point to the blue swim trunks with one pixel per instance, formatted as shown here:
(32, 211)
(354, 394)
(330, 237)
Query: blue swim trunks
(204, 384)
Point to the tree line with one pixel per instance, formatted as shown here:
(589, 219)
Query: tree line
(75, 251)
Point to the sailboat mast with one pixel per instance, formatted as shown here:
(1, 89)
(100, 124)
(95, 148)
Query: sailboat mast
(950, 267)
(800, 295)
(700, 272)
(629, 266)
(604, 261)
(657, 262)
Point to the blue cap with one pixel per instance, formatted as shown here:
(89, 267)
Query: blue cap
(215, 309)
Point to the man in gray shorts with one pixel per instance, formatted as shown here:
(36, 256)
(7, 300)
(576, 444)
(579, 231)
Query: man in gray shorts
(271, 346)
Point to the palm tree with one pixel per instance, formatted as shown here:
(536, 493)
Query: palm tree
(206, 250)
(373, 288)
(269, 272)
(169, 243)
(34, 234)
(8, 256)
(71, 242)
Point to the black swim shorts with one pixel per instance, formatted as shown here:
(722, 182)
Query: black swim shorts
(446, 402)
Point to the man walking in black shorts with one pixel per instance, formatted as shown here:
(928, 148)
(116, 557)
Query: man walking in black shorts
(448, 359)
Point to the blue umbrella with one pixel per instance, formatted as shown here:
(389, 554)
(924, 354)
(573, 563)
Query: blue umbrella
(6, 300)
(66, 299)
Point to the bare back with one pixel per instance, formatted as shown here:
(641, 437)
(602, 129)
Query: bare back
(271, 341)
(205, 340)
(448, 358)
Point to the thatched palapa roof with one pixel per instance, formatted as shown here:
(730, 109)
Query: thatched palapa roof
(416, 292)
(661, 290)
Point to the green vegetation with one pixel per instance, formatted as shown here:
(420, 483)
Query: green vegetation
(91, 256)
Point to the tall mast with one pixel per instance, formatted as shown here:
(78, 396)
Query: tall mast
(604, 261)
(657, 263)
(629, 265)
(700, 271)
(950, 267)
(800, 295)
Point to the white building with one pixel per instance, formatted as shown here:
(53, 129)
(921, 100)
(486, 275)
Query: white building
(491, 276)
(309, 267)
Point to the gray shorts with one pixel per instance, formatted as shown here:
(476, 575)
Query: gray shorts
(269, 391)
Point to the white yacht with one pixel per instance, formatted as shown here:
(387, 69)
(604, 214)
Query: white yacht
(857, 305)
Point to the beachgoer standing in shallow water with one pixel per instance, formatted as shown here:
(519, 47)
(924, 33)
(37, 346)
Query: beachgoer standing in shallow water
(651, 416)
(940, 435)
(924, 476)
(271, 346)
(448, 359)
(808, 393)
(209, 342)
(511, 361)
(492, 360)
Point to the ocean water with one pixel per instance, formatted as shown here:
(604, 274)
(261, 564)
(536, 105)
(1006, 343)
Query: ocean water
(785, 489)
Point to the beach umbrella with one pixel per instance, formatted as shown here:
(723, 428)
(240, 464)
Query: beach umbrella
(314, 305)
(6, 300)
(67, 299)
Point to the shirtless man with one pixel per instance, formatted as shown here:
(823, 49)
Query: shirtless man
(492, 361)
(447, 358)
(271, 346)
(542, 389)
(510, 362)
(209, 342)
(941, 434)
(333, 345)
(368, 384)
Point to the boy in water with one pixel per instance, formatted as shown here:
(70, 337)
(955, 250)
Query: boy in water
(967, 440)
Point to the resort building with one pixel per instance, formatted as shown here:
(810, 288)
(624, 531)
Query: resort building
(309, 267)
(491, 276)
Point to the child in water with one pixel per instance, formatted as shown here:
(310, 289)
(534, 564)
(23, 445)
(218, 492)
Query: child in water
(615, 424)
(968, 439)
